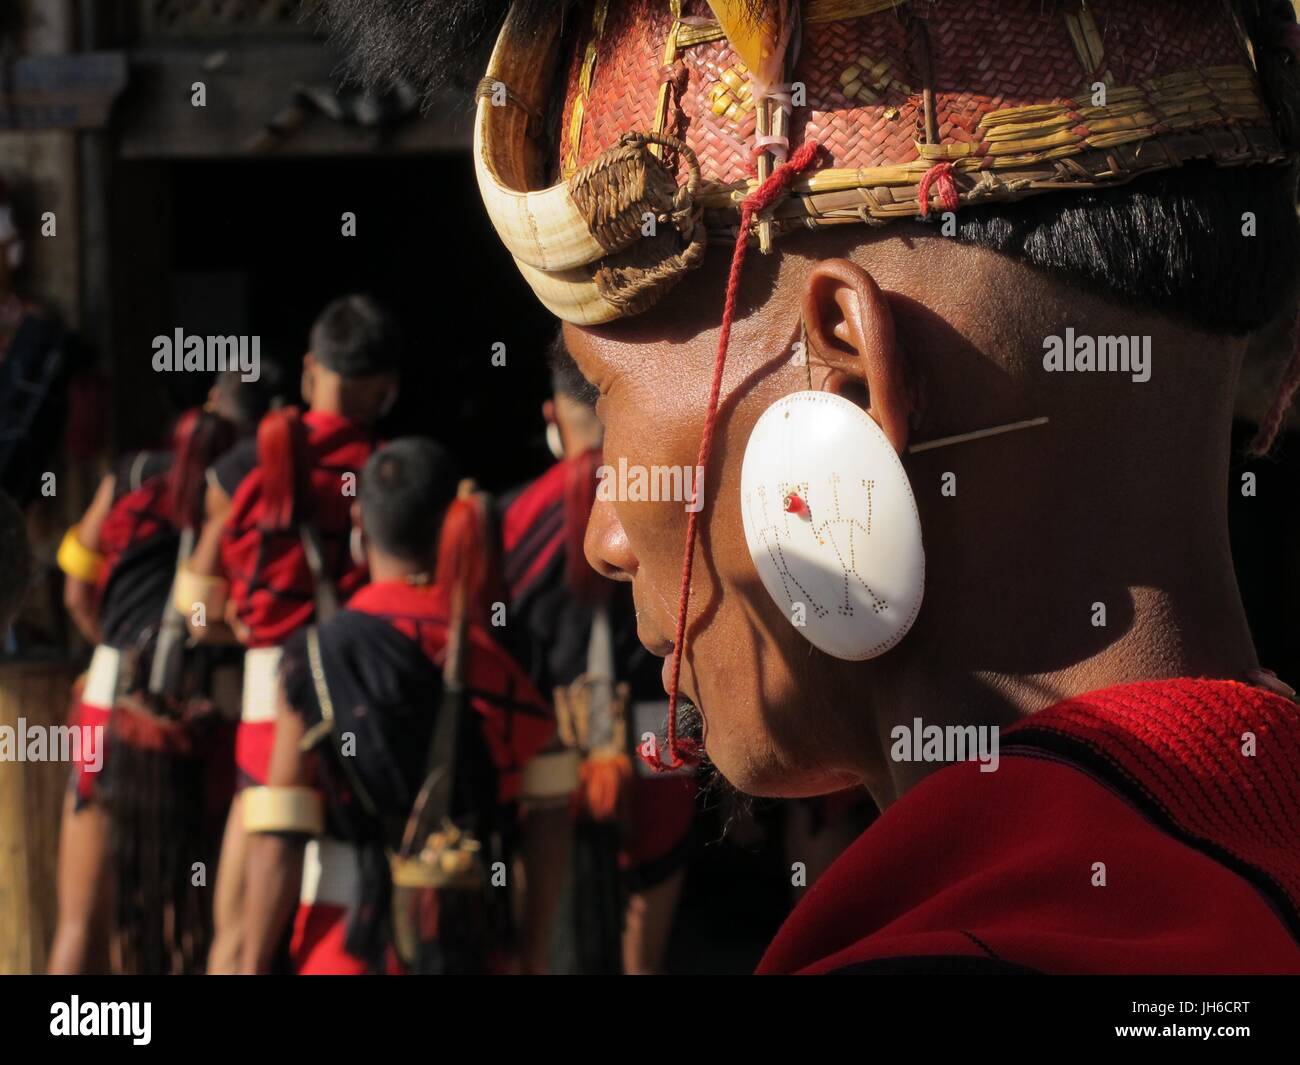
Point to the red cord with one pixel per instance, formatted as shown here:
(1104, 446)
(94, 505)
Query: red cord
(939, 175)
(684, 751)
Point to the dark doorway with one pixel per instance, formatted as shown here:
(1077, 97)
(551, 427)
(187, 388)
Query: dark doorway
(257, 247)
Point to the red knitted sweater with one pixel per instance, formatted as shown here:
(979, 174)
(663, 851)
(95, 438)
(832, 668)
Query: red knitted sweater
(1187, 792)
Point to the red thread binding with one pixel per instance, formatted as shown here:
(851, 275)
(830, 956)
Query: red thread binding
(940, 177)
(683, 752)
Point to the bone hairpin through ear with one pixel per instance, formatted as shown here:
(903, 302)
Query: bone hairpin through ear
(978, 434)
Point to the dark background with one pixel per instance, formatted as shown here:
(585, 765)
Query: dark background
(256, 247)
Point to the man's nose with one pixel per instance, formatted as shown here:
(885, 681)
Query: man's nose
(606, 545)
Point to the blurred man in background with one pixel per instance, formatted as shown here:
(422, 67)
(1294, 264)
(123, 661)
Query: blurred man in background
(577, 632)
(274, 551)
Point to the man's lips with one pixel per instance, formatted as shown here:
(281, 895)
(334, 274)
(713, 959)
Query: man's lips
(657, 645)
(696, 723)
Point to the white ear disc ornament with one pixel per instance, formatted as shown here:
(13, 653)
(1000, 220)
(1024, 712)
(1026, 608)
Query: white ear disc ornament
(832, 525)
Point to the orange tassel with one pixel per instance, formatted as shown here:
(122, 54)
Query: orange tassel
(603, 784)
(469, 559)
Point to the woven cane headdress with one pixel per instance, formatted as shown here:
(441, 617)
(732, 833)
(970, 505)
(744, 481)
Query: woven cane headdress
(674, 110)
(686, 121)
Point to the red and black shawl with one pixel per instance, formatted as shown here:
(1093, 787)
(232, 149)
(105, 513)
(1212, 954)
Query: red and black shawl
(1188, 791)
(271, 583)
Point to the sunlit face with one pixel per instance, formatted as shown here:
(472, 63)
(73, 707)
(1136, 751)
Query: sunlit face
(900, 324)
(756, 682)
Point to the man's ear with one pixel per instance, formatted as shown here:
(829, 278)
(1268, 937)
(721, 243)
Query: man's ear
(851, 333)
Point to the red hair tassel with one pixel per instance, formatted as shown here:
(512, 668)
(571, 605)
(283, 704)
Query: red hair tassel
(201, 437)
(282, 455)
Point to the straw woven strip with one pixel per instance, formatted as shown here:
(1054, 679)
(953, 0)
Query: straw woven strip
(666, 87)
(890, 193)
(1088, 43)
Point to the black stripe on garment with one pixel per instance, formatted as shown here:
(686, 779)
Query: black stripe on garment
(1045, 743)
(505, 702)
(547, 527)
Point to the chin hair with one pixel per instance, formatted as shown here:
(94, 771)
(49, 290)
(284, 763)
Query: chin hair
(716, 791)
(425, 44)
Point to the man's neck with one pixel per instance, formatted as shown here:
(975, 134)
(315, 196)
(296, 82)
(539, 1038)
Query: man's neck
(1089, 595)
(388, 568)
(327, 405)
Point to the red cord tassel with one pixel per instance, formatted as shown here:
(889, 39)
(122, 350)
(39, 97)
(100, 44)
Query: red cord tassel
(940, 177)
(687, 752)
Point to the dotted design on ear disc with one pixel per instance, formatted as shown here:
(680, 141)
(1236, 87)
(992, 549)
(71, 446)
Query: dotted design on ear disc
(831, 522)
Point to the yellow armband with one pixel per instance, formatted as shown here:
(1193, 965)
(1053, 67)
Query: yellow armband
(192, 588)
(77, 560)
(283, 810)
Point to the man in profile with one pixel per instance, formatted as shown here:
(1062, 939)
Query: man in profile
(956, 533)
(274, 551)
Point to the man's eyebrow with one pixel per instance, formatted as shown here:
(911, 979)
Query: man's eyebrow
(566, 378)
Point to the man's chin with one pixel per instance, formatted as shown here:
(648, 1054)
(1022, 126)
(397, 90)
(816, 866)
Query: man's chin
(749, 764)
